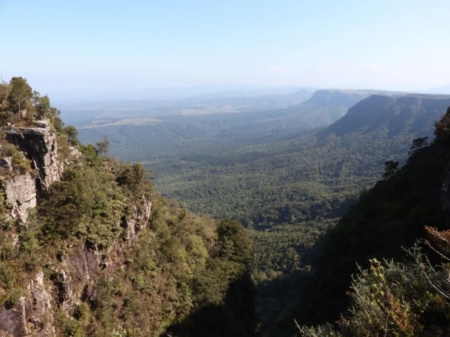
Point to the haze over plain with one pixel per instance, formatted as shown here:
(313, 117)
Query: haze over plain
(139, 49)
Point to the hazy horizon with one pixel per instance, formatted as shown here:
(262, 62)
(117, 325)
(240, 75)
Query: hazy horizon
(99, 50)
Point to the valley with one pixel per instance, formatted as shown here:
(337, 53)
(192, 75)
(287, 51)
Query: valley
(290, 208)
(224, 168)
(287, 175)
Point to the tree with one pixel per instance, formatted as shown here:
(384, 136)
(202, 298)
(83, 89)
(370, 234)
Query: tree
(5, 90)
(41, 104)
(442, 130)
(417, 144)
(72, 134)
(235, 244)
(20, 94)
(103, 146)
(390, 168)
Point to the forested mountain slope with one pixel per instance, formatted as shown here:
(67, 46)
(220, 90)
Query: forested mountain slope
(398, 114)
(409, 297)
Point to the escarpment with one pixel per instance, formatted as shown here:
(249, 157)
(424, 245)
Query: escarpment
(70, 276)
(69, 281)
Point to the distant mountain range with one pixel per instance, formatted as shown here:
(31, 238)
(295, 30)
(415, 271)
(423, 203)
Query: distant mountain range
(137, 135)
(396, 115)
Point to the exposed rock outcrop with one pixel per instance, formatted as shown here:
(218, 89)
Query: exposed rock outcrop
(39, 145)
(136, 222)
(71, 278)
(21, 194)
(71, 282)
(32, 315)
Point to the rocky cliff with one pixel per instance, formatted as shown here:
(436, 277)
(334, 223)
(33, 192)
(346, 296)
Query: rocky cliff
(38, 144)
(74, 274)
(102, 254)
(70, 281)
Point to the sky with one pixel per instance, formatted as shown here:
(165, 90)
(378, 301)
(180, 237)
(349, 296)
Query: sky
(70, 48)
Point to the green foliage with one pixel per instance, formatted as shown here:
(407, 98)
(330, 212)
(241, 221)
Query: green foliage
(8, 149)
(85, 204)
(57, 124)
(7, 116)
(395, 299)
(103, 146)
(20, 104)
(21, 163)
(5, 90)
(177, 265)
(132, 178)
(20, 95)
(390, 215)
(72, 134)
(4, 207)
(90, 155)
(234, 243)
(175, 268)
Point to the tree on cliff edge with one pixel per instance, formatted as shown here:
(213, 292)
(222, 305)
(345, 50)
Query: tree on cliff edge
(20, 94)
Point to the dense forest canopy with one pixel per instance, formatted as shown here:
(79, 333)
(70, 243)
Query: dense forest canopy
(395, 290)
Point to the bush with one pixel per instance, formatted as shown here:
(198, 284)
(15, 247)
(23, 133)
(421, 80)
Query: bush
(8, 149)
(21, 163)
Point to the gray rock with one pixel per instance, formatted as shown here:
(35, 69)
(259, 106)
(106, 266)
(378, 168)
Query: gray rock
(21, 194)
(137, 221)
(32, 315)
(40, 146)
(74, 276)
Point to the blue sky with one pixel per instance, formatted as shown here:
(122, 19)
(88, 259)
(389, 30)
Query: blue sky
(99, 46)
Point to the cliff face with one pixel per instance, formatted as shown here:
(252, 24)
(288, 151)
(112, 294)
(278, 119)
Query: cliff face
(72, 281)
(21, 194)
(38, 143)
(75, 276)
(32, 315)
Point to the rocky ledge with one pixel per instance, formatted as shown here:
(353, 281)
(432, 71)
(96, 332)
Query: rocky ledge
(38, 144)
